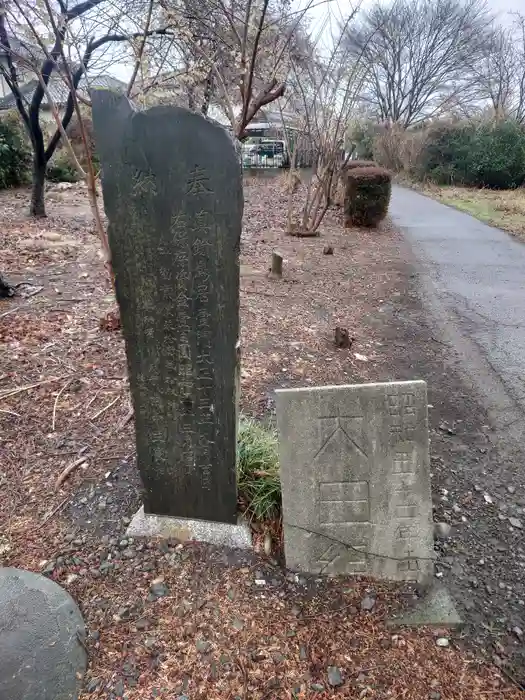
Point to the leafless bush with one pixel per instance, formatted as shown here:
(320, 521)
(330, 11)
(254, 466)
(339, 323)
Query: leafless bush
(398, 149)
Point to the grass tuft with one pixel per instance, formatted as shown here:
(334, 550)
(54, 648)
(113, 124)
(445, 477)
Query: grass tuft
(259, 485)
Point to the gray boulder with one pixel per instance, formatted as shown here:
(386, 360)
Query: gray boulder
(42, 656)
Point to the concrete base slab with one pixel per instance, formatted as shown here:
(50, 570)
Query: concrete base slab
(435, 609)
(147, 525)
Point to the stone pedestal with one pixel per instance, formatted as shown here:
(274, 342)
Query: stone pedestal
(236, 536)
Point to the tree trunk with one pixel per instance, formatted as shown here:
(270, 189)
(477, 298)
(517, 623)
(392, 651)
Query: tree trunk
(38, 206)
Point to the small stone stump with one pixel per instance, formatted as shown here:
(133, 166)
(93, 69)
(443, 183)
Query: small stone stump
(41, 633)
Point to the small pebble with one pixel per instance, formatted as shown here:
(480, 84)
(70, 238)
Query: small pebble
(516, 522)
(159, 589)
(92, 685)
(203, 646)
(119, 689)
(368, 603)
(442, 530)
(335, 679)
(238, 624)
(442, 642)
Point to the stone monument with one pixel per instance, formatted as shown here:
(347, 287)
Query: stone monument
(355, 480)
(42, 635)
(173, 196)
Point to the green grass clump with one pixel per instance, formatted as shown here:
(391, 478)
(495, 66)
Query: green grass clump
(258, 481)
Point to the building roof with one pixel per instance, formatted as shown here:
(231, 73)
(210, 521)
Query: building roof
(59, 91)
(21, 48)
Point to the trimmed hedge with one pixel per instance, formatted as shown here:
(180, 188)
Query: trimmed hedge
(479, 154)
(339, 187)
(15, 155)
(367, 196)
(354, 164)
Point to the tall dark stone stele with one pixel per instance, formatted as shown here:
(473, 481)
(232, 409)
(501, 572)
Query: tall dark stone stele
(173, 196)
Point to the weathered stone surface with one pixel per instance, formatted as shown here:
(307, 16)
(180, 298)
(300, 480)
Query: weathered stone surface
(173, 196)
(355, 480)
(236, 536)
(41, 657)
(435, 609)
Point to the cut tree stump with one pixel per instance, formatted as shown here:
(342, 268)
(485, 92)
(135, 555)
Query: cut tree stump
(277, 265)
(5, 289)
(343, 338)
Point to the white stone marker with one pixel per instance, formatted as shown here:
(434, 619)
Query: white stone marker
(355, 470)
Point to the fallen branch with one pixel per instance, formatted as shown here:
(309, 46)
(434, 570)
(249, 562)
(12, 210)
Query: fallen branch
(32, 293)
(263, 294)
(53, 512)
(304, 234)
(20, 389)
(103, 410)
(11, 311)
(92, 399)
(69, 469)
(11, 413)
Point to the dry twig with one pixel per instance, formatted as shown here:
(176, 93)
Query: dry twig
(11, 311)
(69, 469)
(53, 420)
(54, 511)
(20, 389)
(103, 410)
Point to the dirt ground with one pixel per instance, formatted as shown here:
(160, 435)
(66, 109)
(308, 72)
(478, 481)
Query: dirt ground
(172, 621)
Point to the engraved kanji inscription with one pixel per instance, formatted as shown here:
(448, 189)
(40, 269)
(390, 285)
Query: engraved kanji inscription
(349, 427)
(344, 502)
(338, 558)
(402, 416)
(355, 479)
(409, 565)
(403, 463)
(198, 182)
(173, 196)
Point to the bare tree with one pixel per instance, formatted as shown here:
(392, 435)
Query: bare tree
(54, 32)
(519, 68)
(328, 88)
(500, 70)
(495, 72)
(418, 54)
(234, 55)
